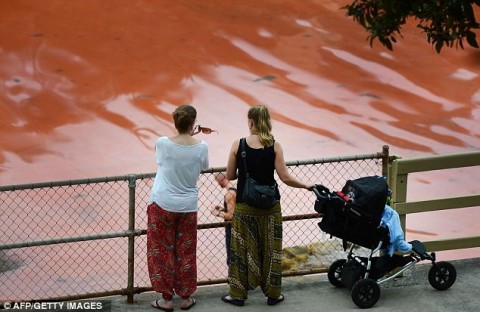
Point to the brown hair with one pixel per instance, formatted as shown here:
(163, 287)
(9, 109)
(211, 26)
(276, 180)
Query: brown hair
(260, 116)
(184, 118)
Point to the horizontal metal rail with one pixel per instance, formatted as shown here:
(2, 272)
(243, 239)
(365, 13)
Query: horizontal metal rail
(438, 204)
(453, 243)
(133, 233)
(84, 238)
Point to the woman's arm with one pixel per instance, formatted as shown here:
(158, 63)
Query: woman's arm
(231, 172)
(283, 173)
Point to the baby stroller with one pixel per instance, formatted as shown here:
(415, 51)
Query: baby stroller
(354, 215)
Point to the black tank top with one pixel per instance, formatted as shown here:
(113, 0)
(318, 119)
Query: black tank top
(260, 165)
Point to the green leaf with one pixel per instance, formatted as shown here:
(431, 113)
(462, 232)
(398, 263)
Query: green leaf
(438, 46)
(388, 44)
(472, 39)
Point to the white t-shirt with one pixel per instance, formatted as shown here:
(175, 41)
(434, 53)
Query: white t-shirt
(179, 166)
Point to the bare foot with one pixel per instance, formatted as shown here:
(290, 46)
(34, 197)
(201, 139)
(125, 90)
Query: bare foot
(162, 304)
(187, 303)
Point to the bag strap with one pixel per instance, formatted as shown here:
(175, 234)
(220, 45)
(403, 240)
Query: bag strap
(244, 154)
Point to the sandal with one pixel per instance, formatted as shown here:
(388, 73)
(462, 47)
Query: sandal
(229, 299)
(191, 304)
(157, 306)
(273, 301)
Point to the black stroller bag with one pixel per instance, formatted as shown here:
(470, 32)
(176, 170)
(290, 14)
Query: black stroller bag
(352, 272)
(354, 214)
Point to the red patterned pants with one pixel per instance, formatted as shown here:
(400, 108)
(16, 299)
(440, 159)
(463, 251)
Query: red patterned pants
(171, 251)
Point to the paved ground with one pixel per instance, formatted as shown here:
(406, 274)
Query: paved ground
(412, 292)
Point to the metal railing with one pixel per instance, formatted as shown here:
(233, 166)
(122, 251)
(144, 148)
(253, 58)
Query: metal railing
(78, 239)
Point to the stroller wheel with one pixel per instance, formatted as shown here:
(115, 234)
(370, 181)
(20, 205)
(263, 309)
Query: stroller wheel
(335, 272)
(365, 293)
(442, 275)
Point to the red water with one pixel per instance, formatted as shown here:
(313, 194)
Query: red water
(87, 86)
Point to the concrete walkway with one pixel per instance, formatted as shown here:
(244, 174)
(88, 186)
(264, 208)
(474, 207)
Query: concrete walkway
(412, 292)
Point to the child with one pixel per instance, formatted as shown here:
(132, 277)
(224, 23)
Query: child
(391, 219)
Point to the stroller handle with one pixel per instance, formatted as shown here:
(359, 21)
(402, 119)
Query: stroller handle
(321, 191)
(323, 197)
(316, 192)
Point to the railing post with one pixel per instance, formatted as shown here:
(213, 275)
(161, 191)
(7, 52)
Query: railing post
(385, 160)
(399, 189)
(131, 238)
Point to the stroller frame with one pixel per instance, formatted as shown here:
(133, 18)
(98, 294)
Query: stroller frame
(361, 274)
(415, 258)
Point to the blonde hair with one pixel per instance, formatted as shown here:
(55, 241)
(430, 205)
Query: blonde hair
(260, 116)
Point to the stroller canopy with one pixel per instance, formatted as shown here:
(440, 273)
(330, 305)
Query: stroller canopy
(368, 194)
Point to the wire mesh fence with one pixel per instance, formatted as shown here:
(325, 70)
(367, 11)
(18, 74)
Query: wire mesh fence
(87, 238)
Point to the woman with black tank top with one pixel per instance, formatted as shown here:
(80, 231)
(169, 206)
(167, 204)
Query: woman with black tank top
(256, 245)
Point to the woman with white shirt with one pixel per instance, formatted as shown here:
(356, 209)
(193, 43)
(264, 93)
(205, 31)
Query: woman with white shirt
(172, 212)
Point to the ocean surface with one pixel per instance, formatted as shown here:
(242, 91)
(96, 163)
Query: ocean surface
(87, 87)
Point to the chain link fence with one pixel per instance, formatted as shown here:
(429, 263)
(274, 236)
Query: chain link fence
(71, 240)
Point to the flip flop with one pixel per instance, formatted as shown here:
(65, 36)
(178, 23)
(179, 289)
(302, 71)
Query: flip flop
(274, 301)
(237, 302)
(157, 306)
(192, 303)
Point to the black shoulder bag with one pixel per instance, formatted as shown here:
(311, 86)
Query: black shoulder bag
(254, 194)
